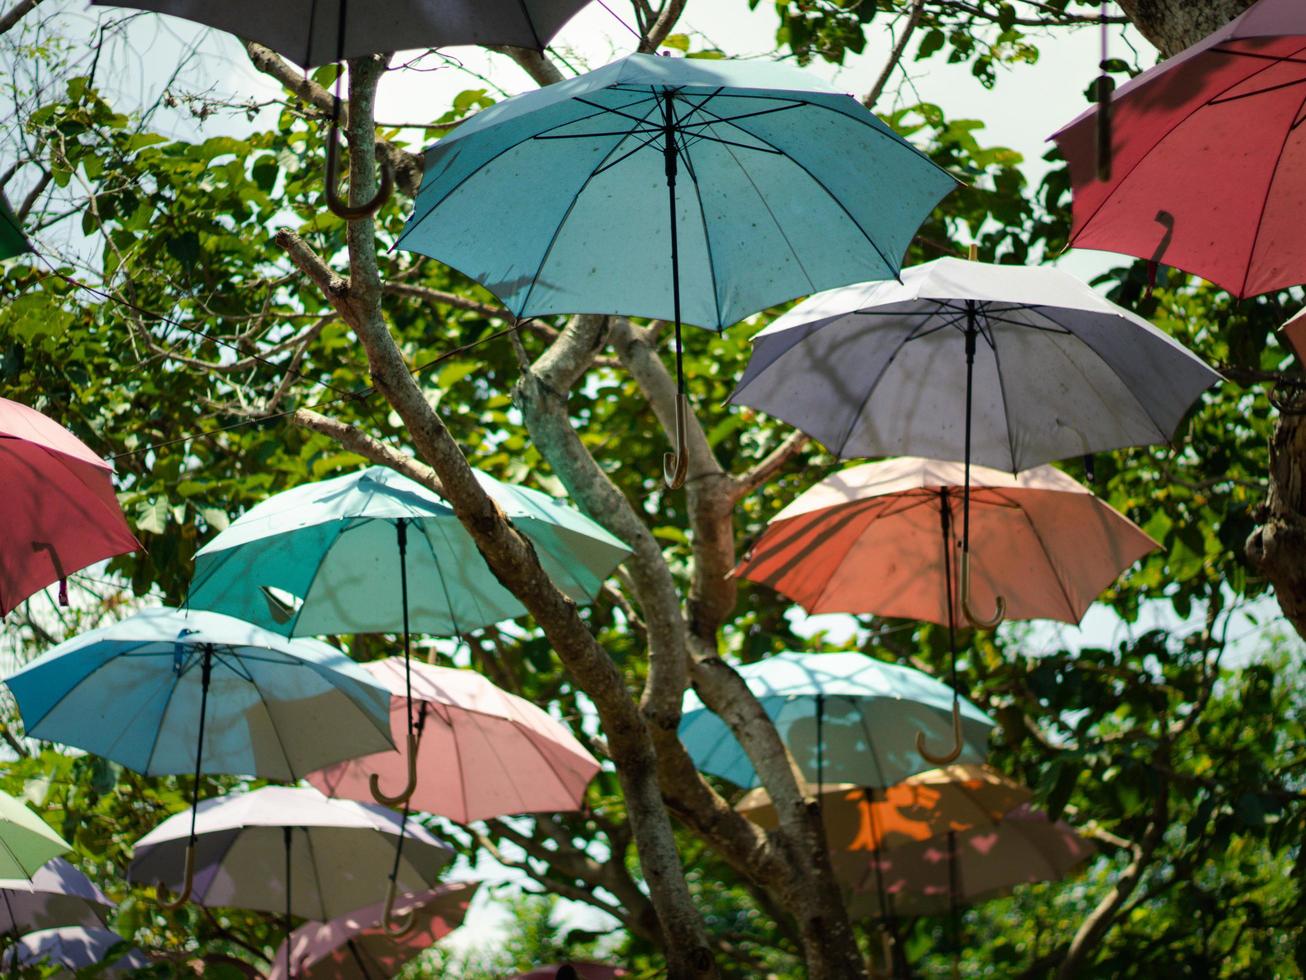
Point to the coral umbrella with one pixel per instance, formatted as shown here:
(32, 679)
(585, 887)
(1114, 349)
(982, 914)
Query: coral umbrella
(1208, 158)
(60, 510)
(57, 894)
(691, 190)
(357, 946)
(845, 717)
(881, 538)
(78, 948)
(481, 752)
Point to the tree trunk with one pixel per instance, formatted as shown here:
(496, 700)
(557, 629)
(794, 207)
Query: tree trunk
(1172, 25)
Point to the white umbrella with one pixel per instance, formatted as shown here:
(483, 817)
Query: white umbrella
(1001, 365)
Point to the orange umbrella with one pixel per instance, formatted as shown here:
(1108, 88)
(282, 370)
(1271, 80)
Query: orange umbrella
(882, 538)
(860, 821)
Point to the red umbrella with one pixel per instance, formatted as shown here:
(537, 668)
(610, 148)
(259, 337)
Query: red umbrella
(1208, 158)
(60, 510)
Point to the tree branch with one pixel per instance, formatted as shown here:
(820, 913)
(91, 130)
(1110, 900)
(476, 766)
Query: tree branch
(895, 56)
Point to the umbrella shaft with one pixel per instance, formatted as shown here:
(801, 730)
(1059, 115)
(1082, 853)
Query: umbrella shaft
(971, 330)
(290, 973)
(671, 167)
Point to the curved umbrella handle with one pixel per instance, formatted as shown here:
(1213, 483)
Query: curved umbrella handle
(971, 616)
(675, 466)
(374, 780)
(188, 883)
(957, 745)
(341, 208)
(397, 927)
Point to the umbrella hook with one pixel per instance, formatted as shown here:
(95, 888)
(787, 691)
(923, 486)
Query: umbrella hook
(968, 610)
(957, 745)
(397, 927)
(675, 465)
(339, 207)
(374, 780)
(188, 883)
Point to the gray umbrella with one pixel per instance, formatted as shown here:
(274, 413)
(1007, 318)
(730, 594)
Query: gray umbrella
(76, 948)
(56, 895)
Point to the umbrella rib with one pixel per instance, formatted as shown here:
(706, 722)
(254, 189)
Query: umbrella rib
(1225, 100)
(731, 119)
(158, 729)
(707, 235)
(566, 214)
(1166, 135)
(1269, 189)
(627, 155)
(1002, 396)
(819, 183)
(317, 877)
(276, 731)
(870, 391)
(1061, 585)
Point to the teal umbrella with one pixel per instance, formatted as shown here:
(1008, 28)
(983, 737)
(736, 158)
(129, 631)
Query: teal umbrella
(376, 552)
(845, 717)
(168, 691)
(673, 188)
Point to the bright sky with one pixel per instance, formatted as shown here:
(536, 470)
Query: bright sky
(1027, 104)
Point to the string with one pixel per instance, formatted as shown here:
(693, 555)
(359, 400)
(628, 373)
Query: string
(617, 17)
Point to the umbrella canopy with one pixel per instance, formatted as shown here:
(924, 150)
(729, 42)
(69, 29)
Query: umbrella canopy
(26, 841)
(60, 510)
(968, 866)
(331, 551)
(57, 894)
(312, 32)
(556, 200)
(859, 820)
(340, 852)
(880, 369)
(481, 752)
(882, 538)
(357, 946)
(845, 717)
(78, 948)
(1207, 156)
(134, 692)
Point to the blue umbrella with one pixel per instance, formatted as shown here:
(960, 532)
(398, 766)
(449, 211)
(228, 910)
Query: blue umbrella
(845, 717)
(168, 691)
(564, 200)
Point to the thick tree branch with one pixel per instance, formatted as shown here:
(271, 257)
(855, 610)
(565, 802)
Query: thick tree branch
(774, 463)
(16, 13)
(895, 56)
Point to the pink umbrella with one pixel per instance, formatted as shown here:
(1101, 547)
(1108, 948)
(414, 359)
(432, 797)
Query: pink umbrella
(60, 510)
(1209, 158)
(358, 947)
(882, 538)
(579, 971)
(482, 752)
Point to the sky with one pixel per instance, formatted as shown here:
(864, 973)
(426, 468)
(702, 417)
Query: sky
(1027, 104)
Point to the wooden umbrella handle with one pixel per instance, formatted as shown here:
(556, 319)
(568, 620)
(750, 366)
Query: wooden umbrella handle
(957, 745)
(188, 884)
(374, 781)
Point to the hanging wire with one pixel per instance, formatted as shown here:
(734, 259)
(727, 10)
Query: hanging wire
(618, 18)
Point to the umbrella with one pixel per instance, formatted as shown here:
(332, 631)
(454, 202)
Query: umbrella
(77, 948)
(356, 946)
(880, 539)
(482, 752)
(554, 199)
(335, 557)
(12, 240)
(167, 692)
(57, 894)
(313, 32)
(290, 850)
(26, 841)
(963, 867)
(1206, 149)
(845, 717)
(890, 368)
(60, 510)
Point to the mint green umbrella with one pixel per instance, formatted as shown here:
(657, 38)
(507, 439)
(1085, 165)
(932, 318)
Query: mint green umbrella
(376, 552)
(26, 841)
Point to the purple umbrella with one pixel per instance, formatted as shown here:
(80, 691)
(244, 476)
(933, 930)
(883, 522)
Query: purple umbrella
(76, 948)
(357, 946)
(56, 895)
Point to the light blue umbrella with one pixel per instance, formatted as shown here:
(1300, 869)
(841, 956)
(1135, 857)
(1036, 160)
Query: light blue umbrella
(845, 717)
(168, 691)
(376, 552)
(564, 200)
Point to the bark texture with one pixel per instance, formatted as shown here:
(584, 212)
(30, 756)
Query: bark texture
(1172, 25)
